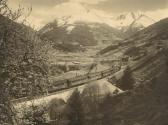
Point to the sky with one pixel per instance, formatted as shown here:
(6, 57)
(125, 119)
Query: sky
(44, 11)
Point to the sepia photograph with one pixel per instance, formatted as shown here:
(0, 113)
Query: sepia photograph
(83, 62)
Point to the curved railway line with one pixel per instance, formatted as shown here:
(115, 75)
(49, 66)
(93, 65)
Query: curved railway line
(67, 84)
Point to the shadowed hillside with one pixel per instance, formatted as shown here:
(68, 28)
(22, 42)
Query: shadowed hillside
(146, 38)
(144, 105)
(22, 58)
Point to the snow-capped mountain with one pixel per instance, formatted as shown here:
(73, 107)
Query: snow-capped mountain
(129, 22)
(81, 34)
(132, 22)
(126, 22)
(79, 12)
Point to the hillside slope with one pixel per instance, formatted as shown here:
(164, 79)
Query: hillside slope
(22, 56)
(145, 105)
(149, 37)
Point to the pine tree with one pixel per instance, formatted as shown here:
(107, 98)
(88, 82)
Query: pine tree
(127, 81)
(106, 110)
(75, 114)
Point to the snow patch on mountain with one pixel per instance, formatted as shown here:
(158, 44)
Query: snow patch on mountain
(70, 28)
(133, 20)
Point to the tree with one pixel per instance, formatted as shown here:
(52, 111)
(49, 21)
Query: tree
(21, 62)
(75, 114)
(35, 115)
(106, 109)
(56, 111)
(165, 52)
(92, 97)
(127, 81)
(7, 113)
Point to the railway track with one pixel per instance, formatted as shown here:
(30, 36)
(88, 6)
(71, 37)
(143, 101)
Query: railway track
(67, 84)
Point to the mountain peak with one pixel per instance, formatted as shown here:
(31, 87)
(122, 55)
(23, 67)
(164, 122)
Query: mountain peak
(132, 15)
(133, 21)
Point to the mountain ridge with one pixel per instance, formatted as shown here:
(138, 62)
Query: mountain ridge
(80, 34)
(132, 22)
(146, 37)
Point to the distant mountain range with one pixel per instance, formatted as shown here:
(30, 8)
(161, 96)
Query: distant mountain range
(121, 21)
(77, 36)
(71, 36)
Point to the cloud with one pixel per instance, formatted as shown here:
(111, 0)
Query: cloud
(131, 5)
(87, 1)
(88, 10)
(51, 3)
(158, 14)
(44, 3)
(76, 12)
